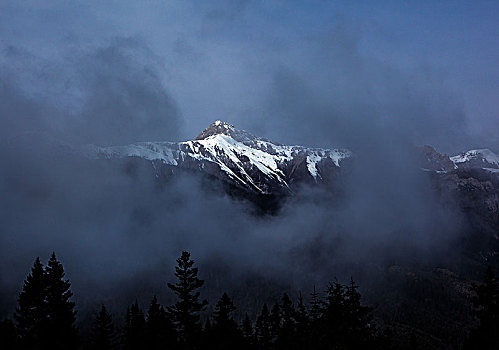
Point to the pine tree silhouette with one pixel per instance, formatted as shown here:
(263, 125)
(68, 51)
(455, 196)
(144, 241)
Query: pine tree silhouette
(360, 329)
(286, 335)
(61, 332)
(31, 311)
(103, 331)
(263, 329)
(275, 322)
(133, 337)
(185, 312)
(345, 323)
(226, 330)
(315, 306)
(248, 333)
(159, 328)
(302, 324)
(486, 303)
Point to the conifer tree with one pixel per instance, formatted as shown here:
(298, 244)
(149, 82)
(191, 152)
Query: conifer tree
(159, 329)
(133, 337)
(226, 331)
(315, 307)
(263, 329)
(275, 322)
(185, 312)
(103, 331)
(302, 324)
(315, 320)
(247, 332)
(31, 311)
(357, 316)
(286, 337)
(60, 330)
(346, 323)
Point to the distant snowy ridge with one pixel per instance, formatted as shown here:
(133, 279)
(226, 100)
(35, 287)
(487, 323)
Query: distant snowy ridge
(478, 158)
(237, 156)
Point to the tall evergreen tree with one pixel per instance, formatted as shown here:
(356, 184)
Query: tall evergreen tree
(486, 304)
(315, 306)
(263, 329)
(286, 336)
(31, 311)
(358, 317)
(133, 336)
(103, 331)
(159, 328)
(60, 331)
(185, 312)
(302, 324)
(247, 332)
(275, 322)
(346, 323)
(227, 334)
(315, 320)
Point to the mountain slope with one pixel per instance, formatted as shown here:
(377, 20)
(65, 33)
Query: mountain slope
(242, 159)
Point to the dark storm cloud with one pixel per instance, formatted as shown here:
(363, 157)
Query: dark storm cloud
(110, 95)
(343, 98)
(124, 98)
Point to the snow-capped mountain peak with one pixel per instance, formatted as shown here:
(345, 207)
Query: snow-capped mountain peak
(238, 157)
(477, 158)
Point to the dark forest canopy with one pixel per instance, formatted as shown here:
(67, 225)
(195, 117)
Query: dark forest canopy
(45, 318)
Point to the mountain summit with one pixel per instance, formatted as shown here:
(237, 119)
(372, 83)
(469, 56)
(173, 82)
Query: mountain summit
(239, 158)
(264, 171)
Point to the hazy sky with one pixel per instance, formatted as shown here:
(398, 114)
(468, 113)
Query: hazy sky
(296, 71)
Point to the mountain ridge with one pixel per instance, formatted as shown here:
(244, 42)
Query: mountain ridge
(238, 157)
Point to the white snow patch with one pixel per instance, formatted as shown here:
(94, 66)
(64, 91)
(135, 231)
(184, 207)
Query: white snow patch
(485, 154)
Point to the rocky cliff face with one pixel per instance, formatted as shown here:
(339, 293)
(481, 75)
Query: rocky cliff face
(470, 181)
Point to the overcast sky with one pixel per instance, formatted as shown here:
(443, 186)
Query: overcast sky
(310, 72)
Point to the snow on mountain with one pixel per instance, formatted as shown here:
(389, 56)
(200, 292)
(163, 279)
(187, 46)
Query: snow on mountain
(238, 157)
(479, 158)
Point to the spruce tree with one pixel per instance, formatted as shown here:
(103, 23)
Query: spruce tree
(31, 316)
(345, 322)
(275, 322)
(185, 312)
(227, 335)
(247, 332)
(60, 330)
(286, 337)
(159, 329)
(302, 324)
(263, 329)
(358, 317)
(133, 336)
(315, 320)
(315, 306)
(103, 331)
